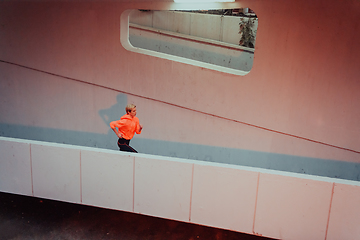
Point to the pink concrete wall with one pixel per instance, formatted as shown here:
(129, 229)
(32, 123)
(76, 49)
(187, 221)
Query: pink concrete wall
(304, 80)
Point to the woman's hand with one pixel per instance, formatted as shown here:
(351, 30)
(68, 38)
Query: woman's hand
(119, 135)
(117, 132)
(141, 127)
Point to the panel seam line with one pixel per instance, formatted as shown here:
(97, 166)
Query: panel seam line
(191, 190)
(328, 220)
(256, 200)
(31, 172)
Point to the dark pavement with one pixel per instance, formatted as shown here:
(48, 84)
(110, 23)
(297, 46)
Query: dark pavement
(23, 217)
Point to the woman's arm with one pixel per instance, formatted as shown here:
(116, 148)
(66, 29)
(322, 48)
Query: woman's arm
(116, 131)
(138, 129)
(114, 127)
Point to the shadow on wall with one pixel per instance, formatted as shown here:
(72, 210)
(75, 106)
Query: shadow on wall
(274, 161)
(282, 162)
(114, 112)
(88, 139)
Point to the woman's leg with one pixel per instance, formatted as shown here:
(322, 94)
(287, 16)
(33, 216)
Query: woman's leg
(124, 145)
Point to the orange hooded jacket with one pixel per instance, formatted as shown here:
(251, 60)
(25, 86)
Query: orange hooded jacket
(127, 125)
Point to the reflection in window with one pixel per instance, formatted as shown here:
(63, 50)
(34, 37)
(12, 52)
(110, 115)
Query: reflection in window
(217, 39)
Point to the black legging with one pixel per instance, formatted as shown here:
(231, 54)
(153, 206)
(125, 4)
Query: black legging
(124, 145)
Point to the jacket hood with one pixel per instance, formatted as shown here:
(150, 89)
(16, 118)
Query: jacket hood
(126, 116)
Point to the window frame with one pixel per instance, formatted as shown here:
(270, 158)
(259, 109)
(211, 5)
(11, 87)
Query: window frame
(124, 39)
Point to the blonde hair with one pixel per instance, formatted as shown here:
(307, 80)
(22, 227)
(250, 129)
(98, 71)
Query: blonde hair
(129, 107)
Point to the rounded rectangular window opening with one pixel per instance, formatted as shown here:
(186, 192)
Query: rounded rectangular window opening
(220, 39)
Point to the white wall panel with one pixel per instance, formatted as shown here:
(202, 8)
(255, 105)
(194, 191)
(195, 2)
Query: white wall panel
(291, 207)
(15, 168)
(162, 188)
(198, 29)
(172, 21)
(224, 197)
(344, 220)
(231, 33)
(107, 179)
(285, 205)
(56, 172)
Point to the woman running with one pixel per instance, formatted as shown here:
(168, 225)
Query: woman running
(126, 127)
